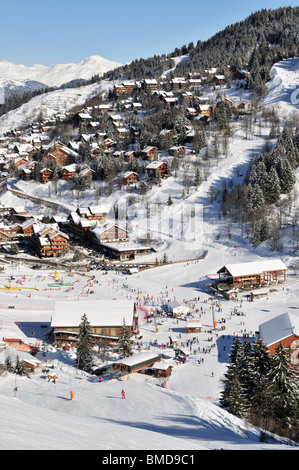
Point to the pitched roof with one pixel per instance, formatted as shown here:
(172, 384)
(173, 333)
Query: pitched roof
(256, 267)
(154, 165)
(98, 312)
(139, 359)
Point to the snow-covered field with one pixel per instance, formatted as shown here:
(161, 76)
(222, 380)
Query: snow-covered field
(185, 415)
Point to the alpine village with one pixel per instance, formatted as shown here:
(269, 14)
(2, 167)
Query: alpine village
(149, 243)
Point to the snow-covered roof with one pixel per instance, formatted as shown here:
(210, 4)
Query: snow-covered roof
(154, 165)
(278, 328)
(100, 230)
(148, 149)
(13, 353)
(98, 312)
(27, 223)
(69, 151)
(256, 267)
(139, 358)
(161, 366)
(149, 81)
(185, 351)
(194, 324)
(70, 168)
(85, 115)
(128, 173)
(98, 209)
(125, 246)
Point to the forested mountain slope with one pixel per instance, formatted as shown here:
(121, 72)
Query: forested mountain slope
(232, 46)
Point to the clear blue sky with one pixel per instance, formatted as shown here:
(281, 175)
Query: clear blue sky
(40, 32)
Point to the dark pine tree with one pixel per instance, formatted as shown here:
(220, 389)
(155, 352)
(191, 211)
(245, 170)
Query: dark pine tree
(125, 342)
(283, 385)
(85, 345)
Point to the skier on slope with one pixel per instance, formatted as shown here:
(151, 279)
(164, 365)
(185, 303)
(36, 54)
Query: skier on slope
(123, 395)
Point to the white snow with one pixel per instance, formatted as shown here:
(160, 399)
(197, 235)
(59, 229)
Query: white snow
(111, 313)
(50, 104)
(58, 74)
(283, 88)
(41, 414)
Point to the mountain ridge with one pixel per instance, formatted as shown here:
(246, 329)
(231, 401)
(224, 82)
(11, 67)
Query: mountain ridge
(59, 74)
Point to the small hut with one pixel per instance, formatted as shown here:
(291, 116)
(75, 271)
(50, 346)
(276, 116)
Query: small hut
(194, 326)
(182, 354)
(161, 369)
(136, 363)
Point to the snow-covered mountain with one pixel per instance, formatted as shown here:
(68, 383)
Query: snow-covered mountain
(58, 74)
(14, 87)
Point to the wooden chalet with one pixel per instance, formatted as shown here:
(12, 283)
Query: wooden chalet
(9, 233)
(113, 233)
(62, 156)
(21, 161)
(156, 167)
(106, 144)
(178, 83)
(205, 110)
(124, 88)
(136, 363)
(98, 213)
(149, 84)
(27, 227)
(52, 146)
(150, 152)
(161, 369)
(50, 242)
(121, 132)
(129, 154)
(80, 226)
(129, 86)
(194, 326)
(283, 329)
(46, 175)
(219, 79)
(17, 210)
(240, 74)
(68, 172)
(105, 108)
(194, 82)
(182, 354)
(177, 151)
(129, 178)
(26, 174)
(87, 174)
(81, 118)
(124, 251)
(254, 274)
(106, 318)
(119, 90)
